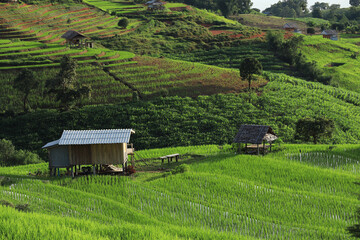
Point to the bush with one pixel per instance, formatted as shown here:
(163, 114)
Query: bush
(22, 207)
(130, 169)
(181, 169)
(11, 157)
(6, 203)
(124, 22)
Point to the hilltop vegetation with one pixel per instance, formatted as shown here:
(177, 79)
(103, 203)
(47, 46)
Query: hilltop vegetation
(222, 195)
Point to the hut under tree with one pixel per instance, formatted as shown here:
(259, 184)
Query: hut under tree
(257, 136)
(291, 27)
(99, 148)
(74, 38)
(155, 5)
(330, 34)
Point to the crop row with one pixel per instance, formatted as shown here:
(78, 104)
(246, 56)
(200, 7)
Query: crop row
(56, 20)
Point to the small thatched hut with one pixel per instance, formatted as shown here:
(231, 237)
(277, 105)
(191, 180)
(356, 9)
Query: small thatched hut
(291, 27)
(255, 135)
(74, 38)
(330, 34)
(89, 147)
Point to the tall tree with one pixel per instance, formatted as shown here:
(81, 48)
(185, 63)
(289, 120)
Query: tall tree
(316, 13)
(308, 128)
(354, 3)
(249, 67)
(25, 82)
(65, 85)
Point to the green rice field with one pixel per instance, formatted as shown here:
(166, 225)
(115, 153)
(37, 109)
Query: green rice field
(283, 195)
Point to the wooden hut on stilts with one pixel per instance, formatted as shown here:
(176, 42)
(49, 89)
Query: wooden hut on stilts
(259, 137)
(99, 148)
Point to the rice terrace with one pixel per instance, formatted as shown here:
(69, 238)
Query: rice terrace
(183, 119)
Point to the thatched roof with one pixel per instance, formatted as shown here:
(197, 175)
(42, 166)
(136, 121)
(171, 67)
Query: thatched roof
(329, 32)
(71, 34)
(290, 25)
(255, 134)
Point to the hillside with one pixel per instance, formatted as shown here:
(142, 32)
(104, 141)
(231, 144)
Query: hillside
(222, 195)
(178, 52)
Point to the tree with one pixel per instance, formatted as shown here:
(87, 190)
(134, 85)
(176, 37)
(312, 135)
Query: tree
(124, 22)
(65, 85)
(248, 67)
(25, 82)
(320, 5)
(354, 3)
(310, 31)
(317, 128)
(316, 13)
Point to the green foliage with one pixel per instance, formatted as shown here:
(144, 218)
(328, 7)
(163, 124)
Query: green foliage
(354, 3)
(11, 157)
(25, 82)
(317, 128)
(124, 22)
(181, 169)
(66, 86)
(249, 67)
(288, 50)
(316, 13)
(283, 8)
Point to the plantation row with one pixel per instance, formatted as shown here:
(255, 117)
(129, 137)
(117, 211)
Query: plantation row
(150, 76)
(35, 55)
(222, 195)
(231, 57)
(338, 59)
(48, 22)
(157, 76)
(175, 121)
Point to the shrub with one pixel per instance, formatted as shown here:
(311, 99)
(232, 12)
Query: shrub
(124, 22)
(11, 157)
(181, 169)
(22, 207)
(130, 169)
(6, 203)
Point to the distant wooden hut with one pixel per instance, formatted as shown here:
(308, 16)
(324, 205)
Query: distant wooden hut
(89, 147)
(256, 135)
(74, 38)
(291, 27)
(330, 34)
(155, 5)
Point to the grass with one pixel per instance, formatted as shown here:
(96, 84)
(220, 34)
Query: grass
(222, 195)
(326, 52)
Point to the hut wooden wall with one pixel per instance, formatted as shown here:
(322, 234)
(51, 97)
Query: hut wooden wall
(59, 157)
(98, 154)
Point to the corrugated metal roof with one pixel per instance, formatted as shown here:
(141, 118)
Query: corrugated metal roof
(51, 144)
(85, 137)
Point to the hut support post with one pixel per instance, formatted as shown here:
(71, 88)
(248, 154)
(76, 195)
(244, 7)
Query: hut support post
(58, 172)
(263, 148)
(245, 147)
(72, 171)
(94, 169)
(258, 150)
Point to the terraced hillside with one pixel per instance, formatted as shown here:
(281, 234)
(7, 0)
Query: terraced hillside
(148, 76)
(218, 195)
(46, 23)
(340, 59)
